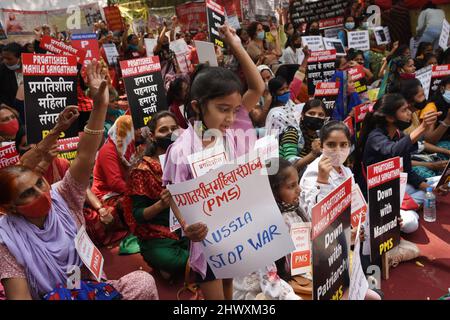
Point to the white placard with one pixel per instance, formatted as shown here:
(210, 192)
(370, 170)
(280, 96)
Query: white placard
(246, 228)
(443, 39)
(206, 160)
(331, 43)
(111, 53)
(301, 256)
(89, 254)
(267, 147)
(359, 40)
(150, 44)
(314, 43)
(424, 76)
(387, 34)
(380, 35)
(403, 182)
(359, 206)
(358, 282)
(332, 33)
(181, 50)
(206, 53)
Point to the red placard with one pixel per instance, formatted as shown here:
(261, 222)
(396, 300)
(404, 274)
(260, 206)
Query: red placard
(89, 43)
(323, 55)
(324, 89)
(383, 172)
(215, 7)
(59, 47)
(356, 73)
(301, 259)
(191, 15)
(441, 71)
(8, 156)
(131, 68)
(113, 18)
(349, 123)
(48, 65)
(331, 23)
(361, 111)
(326, 211)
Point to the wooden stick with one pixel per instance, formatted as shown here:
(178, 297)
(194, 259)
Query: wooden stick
(385, 266)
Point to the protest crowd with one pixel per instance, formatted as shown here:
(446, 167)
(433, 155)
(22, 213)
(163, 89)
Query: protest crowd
(273, 158)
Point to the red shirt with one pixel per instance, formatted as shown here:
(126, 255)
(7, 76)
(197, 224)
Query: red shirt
(109, 172)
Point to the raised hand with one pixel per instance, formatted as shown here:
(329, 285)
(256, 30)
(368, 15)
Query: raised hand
(97, 83)
(196, 232)
(430, 119)
(230, 36)
(324, 170)
(66, 118)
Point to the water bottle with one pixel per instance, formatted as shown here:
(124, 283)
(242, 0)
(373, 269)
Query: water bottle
(429, 206)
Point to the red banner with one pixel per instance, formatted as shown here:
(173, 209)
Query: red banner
(361, 111)
(326, 89)
(59, 47)
(131, 68)
(329, 208)
(383, 172)
(356, 73)
(48, 65)
(8, 156)
(324, 55)
(331, 23)
(113, 18)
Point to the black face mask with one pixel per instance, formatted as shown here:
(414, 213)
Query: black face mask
(314, 32)
(166, 46)
(313, 123)
(420, 105)
(297, 45)
(164, 142)
(402, 125)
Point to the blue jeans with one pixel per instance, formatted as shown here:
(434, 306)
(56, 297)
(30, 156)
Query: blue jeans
(431, 34)
(416, 194)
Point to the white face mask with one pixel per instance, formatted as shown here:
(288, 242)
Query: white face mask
(337, 157)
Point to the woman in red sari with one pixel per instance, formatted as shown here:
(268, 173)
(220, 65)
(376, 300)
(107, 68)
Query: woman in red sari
(146, 206)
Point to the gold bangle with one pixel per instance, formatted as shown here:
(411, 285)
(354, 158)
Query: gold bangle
(93, 132)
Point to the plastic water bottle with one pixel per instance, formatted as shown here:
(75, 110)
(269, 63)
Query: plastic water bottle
(429, 206)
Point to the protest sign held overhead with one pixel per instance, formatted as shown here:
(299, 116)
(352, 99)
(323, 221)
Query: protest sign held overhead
(329, 13)
(321, 67)
(359, 40)
(50, 86)
(60, 48)
(380, 35)
(331, 243)
(336, 44)
(206, 53)
(246, 229)
(89, 43)
(8, 155)
(314, 43)
(145, 88)
(111, 53)
(383, 183)
(328, 93)
(192, 15)
(113, 18)
(215, 14)
(181, 50)
(443, 39)
(424, 76)
(438, 73)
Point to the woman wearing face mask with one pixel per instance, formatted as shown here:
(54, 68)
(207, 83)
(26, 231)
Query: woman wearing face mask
(37, 234)
(216, 100)
(349, 25)
(423, 163)
(146, 206)
(440, 102)
(313, 29)
(11, 74)
(401, 68)
(9, 124)
(382, 138)
(258, 49)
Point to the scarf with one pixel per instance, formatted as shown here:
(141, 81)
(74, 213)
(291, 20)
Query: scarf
(287, 207)
(46, 254)
(122, 135)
